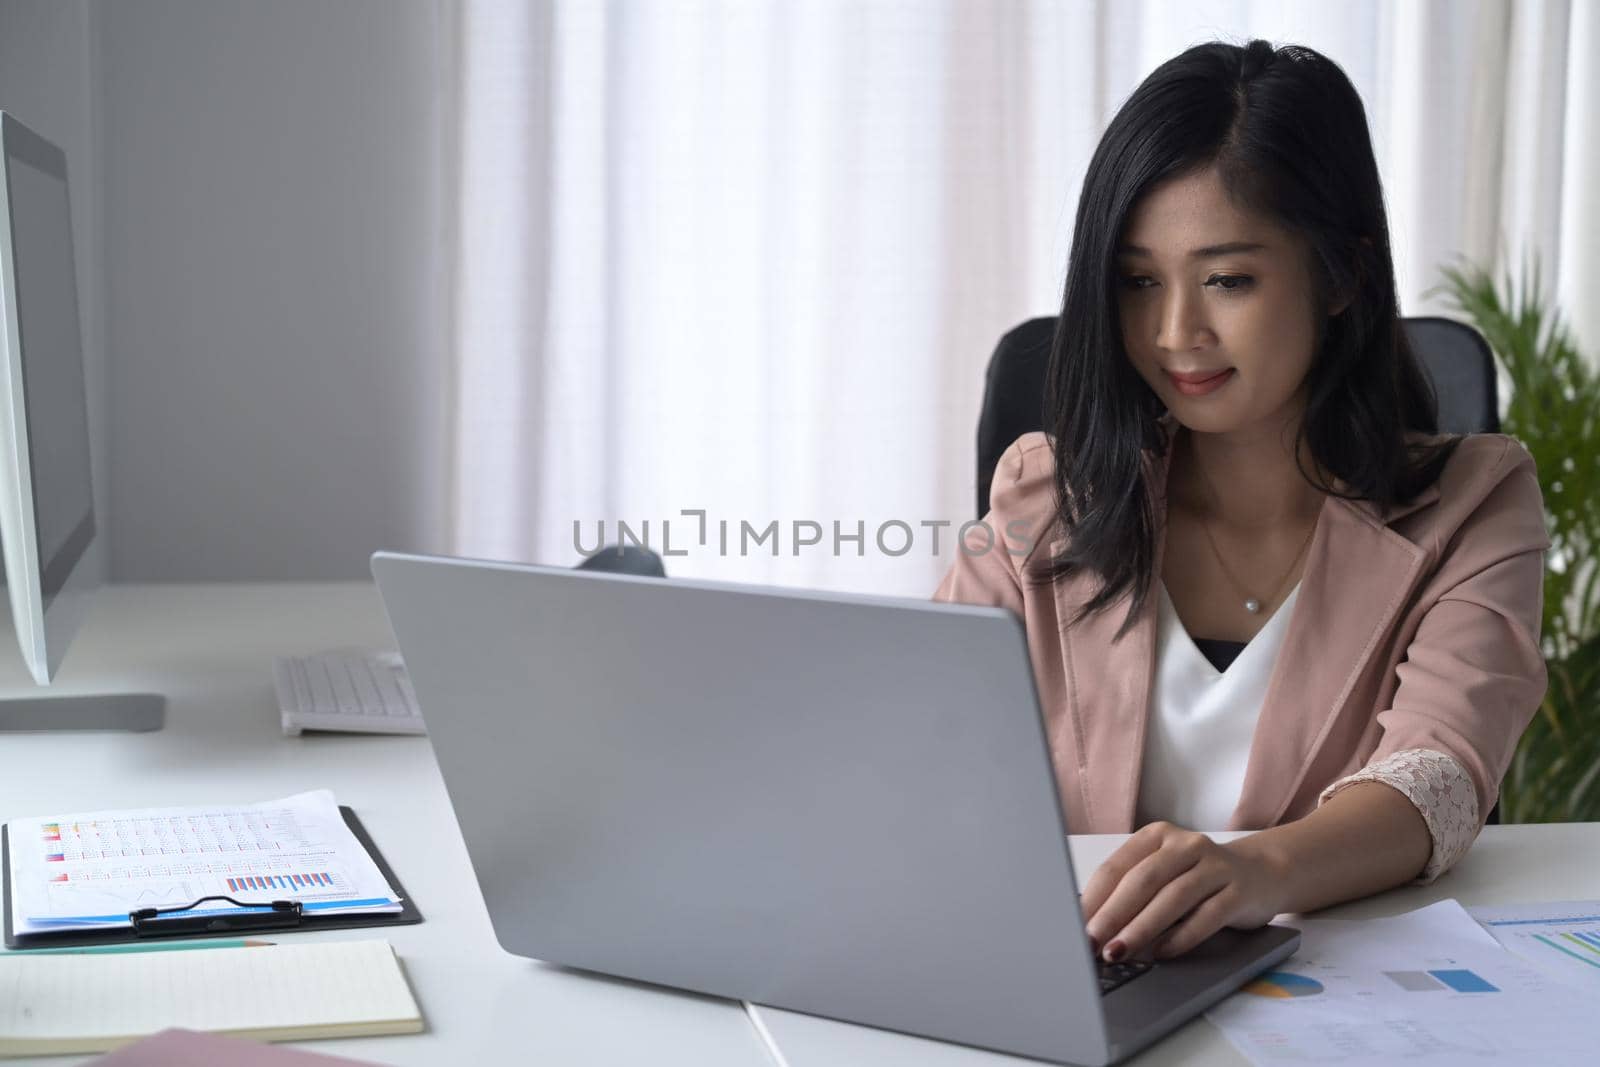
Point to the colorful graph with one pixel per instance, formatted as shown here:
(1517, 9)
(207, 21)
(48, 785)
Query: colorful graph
(93, 871)
(1462, 981)
(247, 883)
(1563, 935)
(1580, 945)
(1284, 984)
(235, 832)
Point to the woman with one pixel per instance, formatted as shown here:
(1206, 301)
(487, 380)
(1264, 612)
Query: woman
(1261, 592)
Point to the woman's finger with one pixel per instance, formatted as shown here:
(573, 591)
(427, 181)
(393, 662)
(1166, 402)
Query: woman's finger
(1178, 898)
(1128, 855)
(1212, 915)
(1134, 891)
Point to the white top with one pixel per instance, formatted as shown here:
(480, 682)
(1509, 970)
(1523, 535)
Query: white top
(1201, 721)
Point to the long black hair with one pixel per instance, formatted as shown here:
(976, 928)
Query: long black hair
(1288, 136)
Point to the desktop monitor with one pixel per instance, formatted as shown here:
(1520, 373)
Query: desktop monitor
(47, 520)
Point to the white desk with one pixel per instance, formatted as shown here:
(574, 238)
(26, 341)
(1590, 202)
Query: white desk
(1508, 863)
(210, 647)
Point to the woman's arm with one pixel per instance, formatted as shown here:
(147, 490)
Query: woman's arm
(1471, 679)
(1367, 838)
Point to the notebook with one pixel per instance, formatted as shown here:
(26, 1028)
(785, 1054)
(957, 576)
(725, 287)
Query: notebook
(92, 1003)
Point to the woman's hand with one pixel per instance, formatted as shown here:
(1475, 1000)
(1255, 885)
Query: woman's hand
(1165, 876)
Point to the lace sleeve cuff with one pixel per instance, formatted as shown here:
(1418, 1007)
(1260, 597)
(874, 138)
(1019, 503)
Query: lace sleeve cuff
(1442, 792)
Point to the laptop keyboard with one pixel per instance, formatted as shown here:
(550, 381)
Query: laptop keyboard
(1115, 975)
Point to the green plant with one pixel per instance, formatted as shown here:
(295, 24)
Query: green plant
(1554, 410)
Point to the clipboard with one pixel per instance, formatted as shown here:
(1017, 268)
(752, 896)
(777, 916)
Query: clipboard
(279, 921)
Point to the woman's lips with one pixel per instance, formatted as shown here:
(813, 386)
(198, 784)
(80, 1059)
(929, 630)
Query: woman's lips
(1199, 384)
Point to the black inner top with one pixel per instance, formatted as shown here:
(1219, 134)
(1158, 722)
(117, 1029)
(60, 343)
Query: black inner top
(1220, 653)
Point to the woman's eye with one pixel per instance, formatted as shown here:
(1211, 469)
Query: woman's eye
(1136, 281)
(1230, 283)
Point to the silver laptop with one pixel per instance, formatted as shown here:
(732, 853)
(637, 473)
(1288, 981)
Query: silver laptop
(841, 805)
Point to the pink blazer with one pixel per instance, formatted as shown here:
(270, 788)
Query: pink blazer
(1413, 630)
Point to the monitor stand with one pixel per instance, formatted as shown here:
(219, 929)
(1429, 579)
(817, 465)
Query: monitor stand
(136, 712)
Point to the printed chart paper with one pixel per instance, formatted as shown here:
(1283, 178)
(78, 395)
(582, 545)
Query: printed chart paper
(91, 869)
(1562, 937)
(1428, 987)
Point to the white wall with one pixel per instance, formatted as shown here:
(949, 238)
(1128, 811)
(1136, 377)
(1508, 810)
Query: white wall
(273, 290)
(46, 82)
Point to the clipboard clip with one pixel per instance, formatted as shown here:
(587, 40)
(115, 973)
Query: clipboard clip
(158, 922)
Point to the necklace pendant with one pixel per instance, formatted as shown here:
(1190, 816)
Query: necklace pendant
(1253, 606)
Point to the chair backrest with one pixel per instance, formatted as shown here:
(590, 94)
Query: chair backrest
(1455, 356)
(625, 559)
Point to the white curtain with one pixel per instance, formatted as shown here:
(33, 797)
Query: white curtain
(750, 258)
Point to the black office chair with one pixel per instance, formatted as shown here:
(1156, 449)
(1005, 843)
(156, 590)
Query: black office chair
(625, 559)
(1456, 357)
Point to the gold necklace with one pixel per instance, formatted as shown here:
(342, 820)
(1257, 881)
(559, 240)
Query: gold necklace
(1251, 604)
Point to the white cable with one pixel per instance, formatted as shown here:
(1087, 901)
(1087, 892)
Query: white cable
(778, 1058)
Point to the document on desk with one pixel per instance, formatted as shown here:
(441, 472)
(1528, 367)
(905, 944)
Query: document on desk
(64, 1004)
(1427, 987)
(1563, 937)
(89, 870)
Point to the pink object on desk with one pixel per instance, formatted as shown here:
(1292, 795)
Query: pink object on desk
(185, 1048)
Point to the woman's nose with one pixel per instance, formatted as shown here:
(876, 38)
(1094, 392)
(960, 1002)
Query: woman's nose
(1181, 325)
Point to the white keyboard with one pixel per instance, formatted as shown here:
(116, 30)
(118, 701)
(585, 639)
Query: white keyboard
(353, 689)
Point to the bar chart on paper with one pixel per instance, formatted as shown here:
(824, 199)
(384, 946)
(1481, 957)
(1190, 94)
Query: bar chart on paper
(1562, 937)
(92, 870)
(111, 865)
(308, 882)
(1460, 979)
(1428, 988)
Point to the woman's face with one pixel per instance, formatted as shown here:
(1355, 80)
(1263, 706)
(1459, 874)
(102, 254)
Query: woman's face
(1217, 308)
